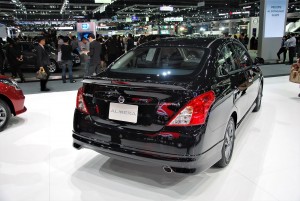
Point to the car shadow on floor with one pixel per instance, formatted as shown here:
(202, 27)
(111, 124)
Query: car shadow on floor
(111, 174)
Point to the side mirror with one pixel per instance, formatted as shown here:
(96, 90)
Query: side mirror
(258, 61)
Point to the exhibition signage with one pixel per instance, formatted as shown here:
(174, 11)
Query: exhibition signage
(173, 19)
(166, 8)
(102, 1)
(275, 17)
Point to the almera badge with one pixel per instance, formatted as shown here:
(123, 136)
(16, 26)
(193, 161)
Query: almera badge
(123, 112)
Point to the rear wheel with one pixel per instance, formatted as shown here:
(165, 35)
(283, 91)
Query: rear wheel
(5, 115)
(258, 99)
(228, 144)
(53, 66)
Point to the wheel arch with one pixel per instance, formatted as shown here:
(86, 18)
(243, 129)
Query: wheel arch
(9, 103)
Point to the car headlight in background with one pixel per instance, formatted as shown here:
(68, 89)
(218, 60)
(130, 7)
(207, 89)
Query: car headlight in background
(10, 82)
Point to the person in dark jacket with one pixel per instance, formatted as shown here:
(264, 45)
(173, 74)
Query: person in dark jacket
(130, 42)
(66, 60)
(2, 59)
(113, 49)
(43, 61)
(15, 59)
(94, 53)
(282, 49)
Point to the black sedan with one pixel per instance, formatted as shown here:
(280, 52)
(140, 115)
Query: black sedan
(30, 57)
(175, 103)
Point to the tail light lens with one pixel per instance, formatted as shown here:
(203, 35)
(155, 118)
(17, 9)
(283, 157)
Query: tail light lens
(80, 104)
(195, 112)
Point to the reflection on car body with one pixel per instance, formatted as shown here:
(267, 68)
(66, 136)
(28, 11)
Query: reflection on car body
(190, 95)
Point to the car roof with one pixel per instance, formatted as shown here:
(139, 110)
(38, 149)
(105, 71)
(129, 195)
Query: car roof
(185, 41)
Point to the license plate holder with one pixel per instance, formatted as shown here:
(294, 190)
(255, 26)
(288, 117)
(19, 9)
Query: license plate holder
(123, 112)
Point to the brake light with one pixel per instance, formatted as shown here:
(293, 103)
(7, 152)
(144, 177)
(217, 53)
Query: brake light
(195, 112)
(80, 104)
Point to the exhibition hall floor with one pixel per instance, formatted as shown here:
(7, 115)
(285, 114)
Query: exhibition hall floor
(38, 162)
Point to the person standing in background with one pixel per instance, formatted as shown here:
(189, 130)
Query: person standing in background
(113, 49)
(43, 61)
(102, 55)
(84, 48)
(130, 42)
(59, 42)
(2, 58)
(94, 53)
(15, 59)
(66, 60)
(246, 41)
(282, 49)
(291, 46)
(74, 44)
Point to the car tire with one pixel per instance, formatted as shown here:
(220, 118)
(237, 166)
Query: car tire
(5, 115)
(258, 99)
(228, 144)
(53, 67)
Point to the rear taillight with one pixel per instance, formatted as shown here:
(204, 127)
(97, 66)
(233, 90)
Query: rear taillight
(195, 112)
(80, 104)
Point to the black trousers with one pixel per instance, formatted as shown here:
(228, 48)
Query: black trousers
(292, 54)
(2, 68)
(16, 69)
(44, 82)
(282, 50)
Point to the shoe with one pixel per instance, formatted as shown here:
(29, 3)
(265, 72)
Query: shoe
(299, 95)
(64, 81)
(73, 81)
(46, 89)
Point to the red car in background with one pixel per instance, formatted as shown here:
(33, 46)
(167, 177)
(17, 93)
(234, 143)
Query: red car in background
(11, 100)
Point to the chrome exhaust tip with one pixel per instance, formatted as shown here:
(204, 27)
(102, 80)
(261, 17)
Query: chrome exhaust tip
(167, 169)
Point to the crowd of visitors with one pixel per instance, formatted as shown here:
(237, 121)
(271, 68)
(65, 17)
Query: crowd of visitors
(97, 52)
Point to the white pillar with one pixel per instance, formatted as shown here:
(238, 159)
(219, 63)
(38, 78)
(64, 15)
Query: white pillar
(272, 21)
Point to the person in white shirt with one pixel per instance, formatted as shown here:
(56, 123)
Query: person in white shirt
(291, 46)
(84, 46)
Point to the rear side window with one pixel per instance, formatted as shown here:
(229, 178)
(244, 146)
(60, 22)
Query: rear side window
(225, 61)
(160, 61)
(241, 56)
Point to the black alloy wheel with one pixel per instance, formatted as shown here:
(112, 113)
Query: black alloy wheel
(53, 66)
(228, 144)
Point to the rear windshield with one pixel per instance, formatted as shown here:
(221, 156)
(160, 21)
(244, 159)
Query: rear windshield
(160, 61)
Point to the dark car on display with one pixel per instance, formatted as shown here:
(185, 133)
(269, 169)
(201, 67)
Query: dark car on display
(175, 103)
(30, 57)
(11, 100)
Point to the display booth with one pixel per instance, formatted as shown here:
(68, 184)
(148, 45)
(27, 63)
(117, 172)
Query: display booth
(84, 29)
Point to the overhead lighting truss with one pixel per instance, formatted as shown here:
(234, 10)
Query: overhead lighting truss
(19, 4)
(64, 6)
(102, 8)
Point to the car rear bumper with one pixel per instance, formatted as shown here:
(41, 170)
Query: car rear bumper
(181, 163)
